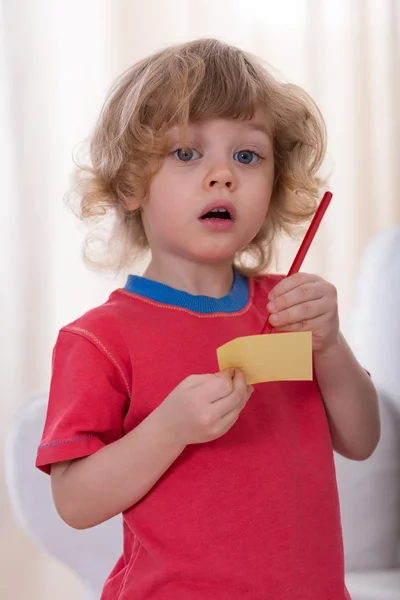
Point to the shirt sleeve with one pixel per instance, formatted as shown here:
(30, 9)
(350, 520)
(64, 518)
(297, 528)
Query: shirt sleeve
(87, 402)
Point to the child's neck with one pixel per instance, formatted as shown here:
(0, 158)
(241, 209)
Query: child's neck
(213, 280)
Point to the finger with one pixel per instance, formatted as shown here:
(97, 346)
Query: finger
(231, 415)
(236, 400)
(316, 324)
(236, 382)
(241, 391)
(240, 387)
(239, 383)
(290, 283)
(306, 311)
(234, 377)
(244, 389)
(229, 408)
(228, 373)
(221, 384)
(303, 293)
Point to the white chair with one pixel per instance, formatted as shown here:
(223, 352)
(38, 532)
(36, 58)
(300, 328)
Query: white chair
(90, 553)
(369, 491)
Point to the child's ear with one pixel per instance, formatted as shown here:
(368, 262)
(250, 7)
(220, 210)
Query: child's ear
(132, 205)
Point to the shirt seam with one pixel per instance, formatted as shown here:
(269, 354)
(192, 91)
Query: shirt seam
(95, 340)
(66, 441)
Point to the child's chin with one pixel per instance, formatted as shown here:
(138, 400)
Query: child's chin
(215, 252)
(216, 257)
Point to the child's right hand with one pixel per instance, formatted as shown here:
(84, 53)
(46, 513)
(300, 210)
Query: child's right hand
(204, 407)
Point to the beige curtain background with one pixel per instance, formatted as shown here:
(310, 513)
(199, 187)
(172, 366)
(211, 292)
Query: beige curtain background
(57, 59)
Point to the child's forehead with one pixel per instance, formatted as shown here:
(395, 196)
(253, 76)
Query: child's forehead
(261, 123)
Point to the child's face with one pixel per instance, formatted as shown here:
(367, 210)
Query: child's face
(227, 164)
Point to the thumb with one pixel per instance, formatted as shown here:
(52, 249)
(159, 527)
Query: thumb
(225, 378)
(226, 373)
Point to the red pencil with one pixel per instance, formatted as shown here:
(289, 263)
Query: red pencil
(306, 243)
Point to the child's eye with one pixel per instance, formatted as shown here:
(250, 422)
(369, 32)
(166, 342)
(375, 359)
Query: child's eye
(247, 157)
(186, 154)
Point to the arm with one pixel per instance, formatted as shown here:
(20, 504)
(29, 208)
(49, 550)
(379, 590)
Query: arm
(304, 302)
(350, 400)
(90, 490)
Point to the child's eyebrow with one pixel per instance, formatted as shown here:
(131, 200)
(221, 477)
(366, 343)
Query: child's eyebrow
(262, 127)
(193, 128)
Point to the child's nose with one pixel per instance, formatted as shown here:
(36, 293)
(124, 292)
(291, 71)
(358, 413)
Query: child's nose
(220, 176)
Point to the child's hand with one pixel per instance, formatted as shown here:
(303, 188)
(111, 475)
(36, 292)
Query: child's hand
(303, 302)
(204, 407)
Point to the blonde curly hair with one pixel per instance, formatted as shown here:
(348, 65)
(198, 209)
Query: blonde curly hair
(194, 81)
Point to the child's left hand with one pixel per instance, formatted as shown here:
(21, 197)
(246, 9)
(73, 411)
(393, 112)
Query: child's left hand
(303, 302)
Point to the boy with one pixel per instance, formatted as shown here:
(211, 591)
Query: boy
(227, 491)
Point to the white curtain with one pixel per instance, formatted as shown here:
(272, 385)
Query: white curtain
(57, 59)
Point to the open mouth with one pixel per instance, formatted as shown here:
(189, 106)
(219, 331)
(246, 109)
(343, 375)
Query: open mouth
(217, 213)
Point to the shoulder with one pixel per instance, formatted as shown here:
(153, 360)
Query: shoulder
(101, 327)
(101, 320)
(102, 317)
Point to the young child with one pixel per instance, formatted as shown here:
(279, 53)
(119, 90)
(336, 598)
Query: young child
(227, 491)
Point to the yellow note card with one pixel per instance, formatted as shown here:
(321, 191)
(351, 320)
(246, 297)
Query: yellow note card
(276, 357)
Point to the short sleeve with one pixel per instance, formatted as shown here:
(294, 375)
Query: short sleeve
(87, 402)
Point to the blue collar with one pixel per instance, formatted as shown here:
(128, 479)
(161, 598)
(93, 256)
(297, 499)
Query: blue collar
(153, 290)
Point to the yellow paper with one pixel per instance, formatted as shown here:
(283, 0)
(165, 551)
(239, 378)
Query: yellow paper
(276, 357)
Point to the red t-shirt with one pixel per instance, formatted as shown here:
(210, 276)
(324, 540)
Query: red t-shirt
(253, 515)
